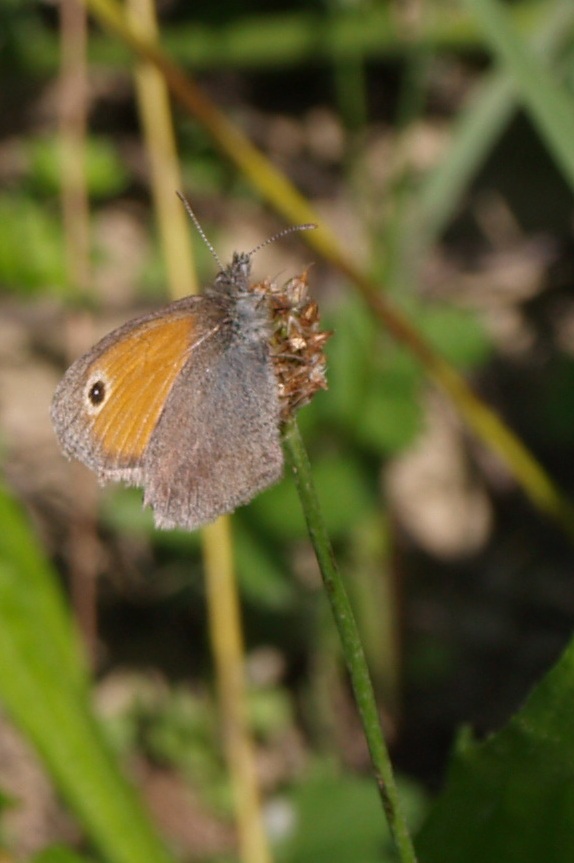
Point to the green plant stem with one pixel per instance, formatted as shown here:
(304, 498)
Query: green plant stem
(351, 643)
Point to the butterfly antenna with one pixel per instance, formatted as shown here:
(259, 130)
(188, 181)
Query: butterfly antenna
(199, 229)
(291, 230)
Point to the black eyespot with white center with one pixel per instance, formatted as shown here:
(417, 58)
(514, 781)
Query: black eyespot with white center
(97, 392)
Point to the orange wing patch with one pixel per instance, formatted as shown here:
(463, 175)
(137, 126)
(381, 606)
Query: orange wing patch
(138, 370)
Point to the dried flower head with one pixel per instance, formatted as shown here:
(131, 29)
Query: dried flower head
(297, 342)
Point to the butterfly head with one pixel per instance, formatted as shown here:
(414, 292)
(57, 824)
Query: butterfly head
(233, 280)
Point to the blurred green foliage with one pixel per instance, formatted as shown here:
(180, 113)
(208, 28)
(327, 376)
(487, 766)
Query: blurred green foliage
(506, 799)
(31, 245)
(105, 174)
(336, 819)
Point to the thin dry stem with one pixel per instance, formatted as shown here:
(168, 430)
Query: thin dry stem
(223, 604)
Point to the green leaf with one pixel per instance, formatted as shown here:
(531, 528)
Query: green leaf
(105, 174)
(263, 578)
(44, 688)
(31, 245)
(373, 384)
(60, 854)
(390, 415)
(511, 798)
(337, 819)
(456, 333)
(345, 491)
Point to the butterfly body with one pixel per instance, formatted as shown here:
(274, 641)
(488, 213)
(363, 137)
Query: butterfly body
(183, 402)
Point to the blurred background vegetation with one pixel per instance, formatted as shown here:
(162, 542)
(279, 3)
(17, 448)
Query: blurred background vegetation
(397, 125)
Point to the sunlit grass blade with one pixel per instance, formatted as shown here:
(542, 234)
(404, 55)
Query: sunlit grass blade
(549, 104)
(44, 688)
(476, 130)
(224, 614)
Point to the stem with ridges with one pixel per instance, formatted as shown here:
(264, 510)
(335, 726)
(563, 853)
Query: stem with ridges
(350, 641)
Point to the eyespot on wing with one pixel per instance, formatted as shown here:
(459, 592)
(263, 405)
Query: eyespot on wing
(110, 400)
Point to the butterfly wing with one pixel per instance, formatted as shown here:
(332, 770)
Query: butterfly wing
(109, 401)
(176, 402)
(217, 442)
